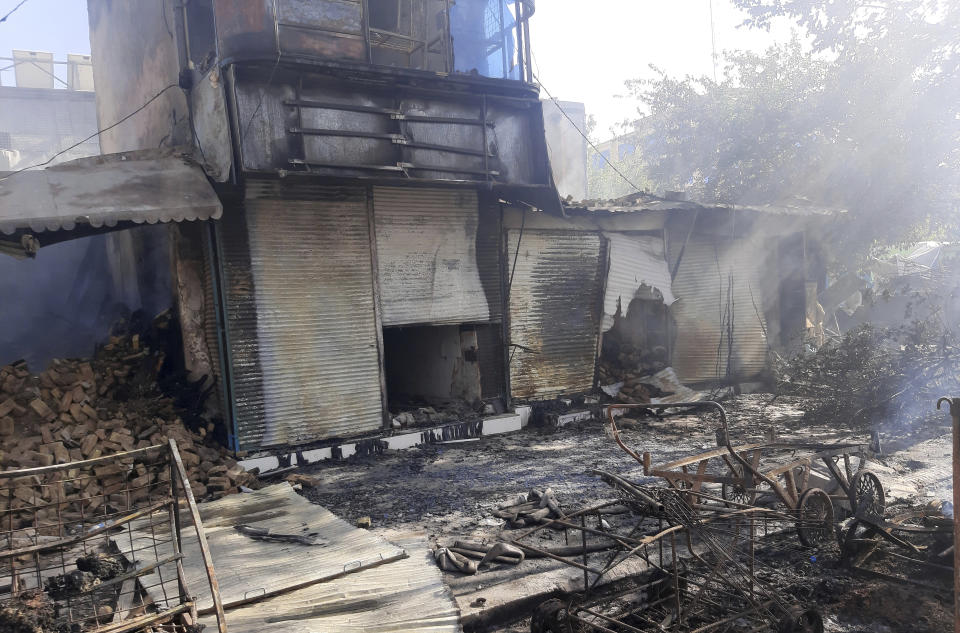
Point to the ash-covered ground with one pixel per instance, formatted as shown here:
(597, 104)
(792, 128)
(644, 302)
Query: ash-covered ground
(451, 490)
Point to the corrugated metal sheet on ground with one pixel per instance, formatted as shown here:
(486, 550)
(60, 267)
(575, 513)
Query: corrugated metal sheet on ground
(149, 186)
(405, 595)
(712, 269)
(249, 570)
(300, 318)
(634, 260)
(427, 256)
(554, 311)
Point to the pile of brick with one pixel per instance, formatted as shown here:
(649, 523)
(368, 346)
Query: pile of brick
(83, 409)
(632, 367)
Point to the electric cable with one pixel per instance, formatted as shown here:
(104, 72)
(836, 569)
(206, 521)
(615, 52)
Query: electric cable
(94, 135)
(10, 12)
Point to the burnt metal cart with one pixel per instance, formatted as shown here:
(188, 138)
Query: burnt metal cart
(782, 472)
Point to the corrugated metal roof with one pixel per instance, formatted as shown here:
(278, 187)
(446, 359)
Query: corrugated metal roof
(554, 311)
(634, 260)
(300, 318)
(427, 256)
(710, 271)
(149, 186)
(642, 203)
(250, 570)
(407, 595)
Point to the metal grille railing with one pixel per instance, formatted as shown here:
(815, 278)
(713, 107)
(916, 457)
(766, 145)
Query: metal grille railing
(61, 526)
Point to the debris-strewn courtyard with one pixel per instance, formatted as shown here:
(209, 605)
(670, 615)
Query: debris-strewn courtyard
(451, 491)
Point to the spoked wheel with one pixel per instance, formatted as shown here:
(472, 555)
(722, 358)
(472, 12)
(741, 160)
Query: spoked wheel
(736, 492)
(858, 542)
(866, 495)
(815, 518)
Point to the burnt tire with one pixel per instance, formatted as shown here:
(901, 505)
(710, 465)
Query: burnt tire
(550, 617)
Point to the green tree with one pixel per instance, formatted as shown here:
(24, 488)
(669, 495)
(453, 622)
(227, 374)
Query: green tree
(868, 120)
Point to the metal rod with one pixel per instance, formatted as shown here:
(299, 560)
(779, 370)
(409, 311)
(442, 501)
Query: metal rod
(41, 547)
(955, 414)
(201, 537)
(676, 576)
(543, 552)
(583, 543)
(42, 470)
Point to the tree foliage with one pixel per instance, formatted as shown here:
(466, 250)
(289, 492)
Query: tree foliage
(861, 112)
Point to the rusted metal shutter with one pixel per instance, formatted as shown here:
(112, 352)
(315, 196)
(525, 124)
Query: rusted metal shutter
(300, 317)
(718, 288)
(427, 256)
(554, 311)
(635, 260)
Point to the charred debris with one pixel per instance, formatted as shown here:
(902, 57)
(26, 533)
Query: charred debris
(332, 233)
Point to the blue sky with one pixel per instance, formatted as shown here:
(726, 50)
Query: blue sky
(583, 50)
(55, 26)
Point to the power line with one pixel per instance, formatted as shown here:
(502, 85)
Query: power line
(10, 12)
(94, 135)
(585, 137)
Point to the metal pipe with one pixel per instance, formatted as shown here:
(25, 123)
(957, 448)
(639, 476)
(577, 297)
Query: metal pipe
(955, 414)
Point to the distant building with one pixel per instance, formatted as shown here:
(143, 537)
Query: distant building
(61, 303)
(43, 114)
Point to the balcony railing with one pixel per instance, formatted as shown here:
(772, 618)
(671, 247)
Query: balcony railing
(488, 38)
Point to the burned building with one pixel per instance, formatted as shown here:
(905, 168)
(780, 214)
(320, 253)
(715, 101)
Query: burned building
(384, 231)
(362, 152)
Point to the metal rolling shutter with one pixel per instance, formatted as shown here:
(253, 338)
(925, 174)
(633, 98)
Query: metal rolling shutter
(210, 330)
(554, 311)
(708, 270)
(300, 317)
(427, 256)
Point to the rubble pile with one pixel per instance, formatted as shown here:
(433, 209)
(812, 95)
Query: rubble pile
(631, 367)
(874, 375)
(81, 409)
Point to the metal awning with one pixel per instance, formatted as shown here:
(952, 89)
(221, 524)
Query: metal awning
(101, 191)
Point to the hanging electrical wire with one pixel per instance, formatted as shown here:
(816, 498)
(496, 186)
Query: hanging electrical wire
(11, 11)
(92, 136)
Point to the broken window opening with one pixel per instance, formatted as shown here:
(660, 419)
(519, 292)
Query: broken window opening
(434, 375)
(637, 346)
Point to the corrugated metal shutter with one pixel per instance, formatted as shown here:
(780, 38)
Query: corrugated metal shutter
(710, 271)
(301, 323)
(634, 260)
(210, 330)
(427, 256)
(554, 311)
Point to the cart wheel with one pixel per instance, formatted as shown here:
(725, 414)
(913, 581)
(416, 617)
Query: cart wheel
(866, 494)
(737, 493)
(550, 617)
(802, 621)
(815, 518)
(854, 541)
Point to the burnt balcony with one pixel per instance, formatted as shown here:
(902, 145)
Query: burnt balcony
(483, 38)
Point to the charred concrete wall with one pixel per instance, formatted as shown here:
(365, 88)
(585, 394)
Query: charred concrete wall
(135, 57)
(136, 63)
